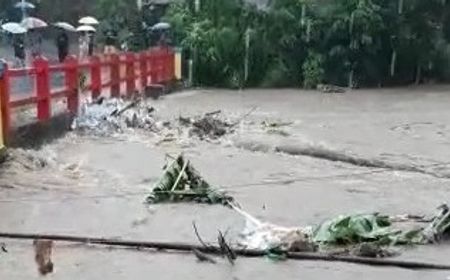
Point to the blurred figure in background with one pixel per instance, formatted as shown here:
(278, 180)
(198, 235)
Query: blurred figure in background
(62, 43)
(110, 42)
(91, 43)
(83, 42)
(35, 38)
(19, 50)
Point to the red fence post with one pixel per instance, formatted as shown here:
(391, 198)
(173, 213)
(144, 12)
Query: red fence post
(5, 109)
(143, 63)
(152, 65)
(157, 65)
(96, 76)
(72, 80)
(130, 74)
(115, 75)
(42, 88)
(167, 76)
(164, 64)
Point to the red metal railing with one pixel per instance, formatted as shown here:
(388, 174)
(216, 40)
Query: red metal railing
(152, 67)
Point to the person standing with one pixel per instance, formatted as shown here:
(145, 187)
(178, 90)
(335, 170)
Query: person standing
(83, 45)
(62, 43)
(91, 43)
(19, 50)
(35, 43)
(110, 42)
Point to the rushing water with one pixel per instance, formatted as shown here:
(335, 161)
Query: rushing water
(96, 186)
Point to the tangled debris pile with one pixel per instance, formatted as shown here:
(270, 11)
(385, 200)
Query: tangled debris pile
(207, 126)
(180, 182)
(106, 116)
(265, 236)
(370, 235)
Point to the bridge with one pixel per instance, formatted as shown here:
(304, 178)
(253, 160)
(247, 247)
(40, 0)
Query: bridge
(116, 75)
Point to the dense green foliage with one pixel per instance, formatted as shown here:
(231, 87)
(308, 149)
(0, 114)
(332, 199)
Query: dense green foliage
(306, 42)
(292, 42)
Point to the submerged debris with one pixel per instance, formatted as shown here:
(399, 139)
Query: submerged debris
(43, 254)
(327, 88)
(202, 257)
(23, 159)
(181, 182)
(439, 228)
(208, 126)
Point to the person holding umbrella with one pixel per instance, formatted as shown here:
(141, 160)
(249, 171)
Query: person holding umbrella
(18, 44)
(84, 39)
(110, 42)
(33, 25)
(90, 34)
(91, 43)
(62, 40)
(62, 44)
(19, 49)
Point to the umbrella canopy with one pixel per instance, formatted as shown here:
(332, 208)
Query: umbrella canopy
(88, 21)
(14, 28)
(161, 26)
(86, 28)
(33, 23)
(24, 5)
(66, 26)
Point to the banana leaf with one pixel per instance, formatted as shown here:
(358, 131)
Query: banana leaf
(355, 229)
(181, 182)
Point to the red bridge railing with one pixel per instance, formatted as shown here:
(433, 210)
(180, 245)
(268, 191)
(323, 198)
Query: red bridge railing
(132, 72)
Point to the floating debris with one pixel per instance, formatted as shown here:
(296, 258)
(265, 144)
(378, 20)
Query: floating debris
(357, 229)
(369, 235)
(202, 257)
(182, 183)
(439, 228)
(103, 117)
(43, 254)
(207, 126)
(326, 88)
(265, 236)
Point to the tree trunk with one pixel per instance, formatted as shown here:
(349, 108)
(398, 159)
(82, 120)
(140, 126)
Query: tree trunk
(418, 73)
(393, 63)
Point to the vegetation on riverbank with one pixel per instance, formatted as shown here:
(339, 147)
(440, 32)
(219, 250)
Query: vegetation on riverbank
(306, 42)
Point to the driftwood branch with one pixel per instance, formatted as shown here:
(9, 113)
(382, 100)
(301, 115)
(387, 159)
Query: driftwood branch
(198, 235)
(187, 247)
(119, 112)
(243, 117)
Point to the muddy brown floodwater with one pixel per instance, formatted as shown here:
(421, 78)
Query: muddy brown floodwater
(96, 186)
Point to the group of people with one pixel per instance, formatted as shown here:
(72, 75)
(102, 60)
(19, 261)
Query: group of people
(30, 44)
(34, 42)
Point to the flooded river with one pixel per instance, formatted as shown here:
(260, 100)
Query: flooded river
(96, 186)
